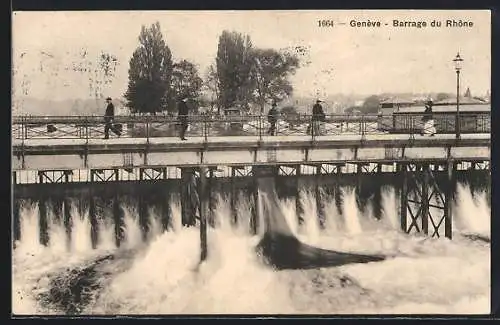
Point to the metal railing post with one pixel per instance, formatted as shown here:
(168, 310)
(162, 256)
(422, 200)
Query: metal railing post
(362, 127)
(412, 127)
(205, 128)
(260, 127)
(24, 128)
(86, 130)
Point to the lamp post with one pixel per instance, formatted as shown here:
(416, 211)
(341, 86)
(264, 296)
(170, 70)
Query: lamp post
(458, 66)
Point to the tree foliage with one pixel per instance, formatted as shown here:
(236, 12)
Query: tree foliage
(233, 63)
(270, 75)
(150, 73)
(290, 114)
(246, 74)
(185, 80)
(212, 85)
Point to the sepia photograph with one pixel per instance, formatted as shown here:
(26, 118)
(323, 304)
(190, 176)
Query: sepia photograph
(251, 162)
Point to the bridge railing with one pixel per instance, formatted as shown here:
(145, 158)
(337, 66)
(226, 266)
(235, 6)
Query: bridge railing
(92, 127)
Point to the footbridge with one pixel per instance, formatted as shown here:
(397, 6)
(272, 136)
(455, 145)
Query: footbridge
(425, 162)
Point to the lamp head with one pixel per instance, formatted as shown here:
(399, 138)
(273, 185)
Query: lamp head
(458, 62)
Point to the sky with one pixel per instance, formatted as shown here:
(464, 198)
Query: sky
(343, 59)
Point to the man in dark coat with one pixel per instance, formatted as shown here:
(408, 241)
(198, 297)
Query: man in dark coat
(272, 118)
(182, 115)
(428, 119)
(109, 115)
(318, 116)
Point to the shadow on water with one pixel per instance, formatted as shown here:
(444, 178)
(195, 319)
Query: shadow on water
(281, 249)
(477, 237)
(72, 290)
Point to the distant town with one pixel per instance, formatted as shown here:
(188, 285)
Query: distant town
(334, 104)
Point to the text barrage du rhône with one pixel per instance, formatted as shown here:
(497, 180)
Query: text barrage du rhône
(450, 23)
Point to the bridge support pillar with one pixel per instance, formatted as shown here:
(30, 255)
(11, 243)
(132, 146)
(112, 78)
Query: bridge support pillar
(449, 197)
(42, 221)
(188, 189)
(298, 203)
(118, 217)
(204, 211)
(403, 195)
(319, 197)
(423, 199)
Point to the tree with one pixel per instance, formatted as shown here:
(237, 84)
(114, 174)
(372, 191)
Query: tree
(443, 96)
(149, 73)
(270, 73)
(371, 104)
(233, 63)
(185, 81)
(290, 114)
(467, 93)
(212, 85)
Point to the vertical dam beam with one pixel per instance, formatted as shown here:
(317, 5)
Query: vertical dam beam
(377, 193)
(57, 203)
(94, 227)
(338, 192)
(16, 219)
(204, 211)
(143, 214)
(233, 197)
(118, 218)
(319, 197)
(67, 220)
(162, 204)
(189, 197)
(488, 185)
(42, 220)
(298, 202)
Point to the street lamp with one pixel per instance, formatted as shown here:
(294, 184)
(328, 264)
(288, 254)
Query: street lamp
(458, 66)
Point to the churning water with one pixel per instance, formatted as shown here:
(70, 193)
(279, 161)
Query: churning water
(162, 275)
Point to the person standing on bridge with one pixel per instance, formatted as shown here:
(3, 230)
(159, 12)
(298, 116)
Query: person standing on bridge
(109, 115)
(182, 115)
(428, 120)
(272, 118)
(318, 116)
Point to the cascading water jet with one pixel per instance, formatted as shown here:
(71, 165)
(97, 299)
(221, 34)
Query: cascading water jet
(281, 249)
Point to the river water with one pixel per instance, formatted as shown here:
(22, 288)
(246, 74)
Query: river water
(162, 276)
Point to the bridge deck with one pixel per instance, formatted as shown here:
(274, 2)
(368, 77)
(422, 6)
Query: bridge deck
(37, 154)
(242, 141)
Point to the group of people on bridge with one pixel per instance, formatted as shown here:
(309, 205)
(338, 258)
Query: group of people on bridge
(314, 128)
(318, 116)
